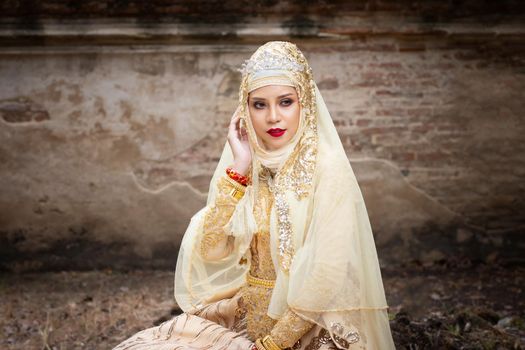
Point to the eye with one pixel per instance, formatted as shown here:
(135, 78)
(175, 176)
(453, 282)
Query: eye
(286, 102)
(258, 105)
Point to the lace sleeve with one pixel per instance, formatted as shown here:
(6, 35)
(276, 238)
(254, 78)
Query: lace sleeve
(289, 329)
(215, 243)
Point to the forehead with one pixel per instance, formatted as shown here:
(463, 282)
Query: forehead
(272, 91)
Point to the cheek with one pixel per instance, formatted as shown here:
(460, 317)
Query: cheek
(258, 126)
(294, 118)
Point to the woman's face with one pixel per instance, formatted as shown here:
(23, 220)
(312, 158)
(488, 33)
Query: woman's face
(275, 114)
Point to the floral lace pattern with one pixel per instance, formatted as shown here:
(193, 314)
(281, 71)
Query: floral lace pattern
(256, 300)
(289, 329)
(217, 216)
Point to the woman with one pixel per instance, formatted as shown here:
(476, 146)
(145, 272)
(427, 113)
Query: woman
(283, 255)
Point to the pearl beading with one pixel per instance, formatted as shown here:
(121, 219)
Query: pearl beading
(270, 61)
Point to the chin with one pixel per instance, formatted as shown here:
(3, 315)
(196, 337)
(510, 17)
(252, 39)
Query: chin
(275, 145)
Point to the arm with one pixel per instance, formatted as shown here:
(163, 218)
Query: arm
(215, 242)
(289, 329)
(285, 333)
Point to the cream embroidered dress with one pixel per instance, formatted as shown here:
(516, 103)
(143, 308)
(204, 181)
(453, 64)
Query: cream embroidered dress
(291, 255)
(226, 324)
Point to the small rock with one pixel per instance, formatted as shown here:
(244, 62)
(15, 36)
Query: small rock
(435, 296)
(505, 322)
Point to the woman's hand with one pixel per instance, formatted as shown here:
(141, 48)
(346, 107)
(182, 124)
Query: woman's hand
(238, 140)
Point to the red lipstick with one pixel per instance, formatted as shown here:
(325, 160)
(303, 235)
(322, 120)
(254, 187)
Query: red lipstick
(276, 132)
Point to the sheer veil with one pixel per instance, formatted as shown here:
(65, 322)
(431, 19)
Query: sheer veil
(322, 244)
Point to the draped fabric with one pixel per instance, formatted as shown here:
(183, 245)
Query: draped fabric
(322, 244)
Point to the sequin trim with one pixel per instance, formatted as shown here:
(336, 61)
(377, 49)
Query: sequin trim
(322, 338)
(342, 337)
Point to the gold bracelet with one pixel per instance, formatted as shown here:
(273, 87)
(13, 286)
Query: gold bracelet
(235, 184)
(269, 344)
(235, 193)
(238, 190)
(259, 345)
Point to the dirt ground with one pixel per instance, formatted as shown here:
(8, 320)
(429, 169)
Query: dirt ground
(446, 306)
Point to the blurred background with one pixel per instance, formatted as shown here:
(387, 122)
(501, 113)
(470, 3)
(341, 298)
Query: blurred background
(113, 115)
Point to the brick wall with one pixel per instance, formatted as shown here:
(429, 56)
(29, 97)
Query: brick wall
(113, 114)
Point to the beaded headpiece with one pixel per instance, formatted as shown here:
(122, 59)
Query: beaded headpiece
(268, 60)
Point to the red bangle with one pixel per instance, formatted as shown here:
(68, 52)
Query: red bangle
(243, 180)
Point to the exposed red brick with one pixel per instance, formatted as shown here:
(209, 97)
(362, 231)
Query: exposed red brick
(431, 156)
(407, 156)
(389, 112)
(363, 122)
(328, 83)
(422, 128)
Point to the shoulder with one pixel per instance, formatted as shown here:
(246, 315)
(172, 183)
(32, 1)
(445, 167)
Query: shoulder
(333, 167)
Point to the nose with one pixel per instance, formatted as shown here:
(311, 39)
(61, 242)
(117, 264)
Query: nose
(273, 116)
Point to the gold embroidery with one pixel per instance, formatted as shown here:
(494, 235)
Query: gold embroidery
(269, 344)
(256, 300)
(263, 205)
(240, 188)
(217, 216)
(289, 329)
(262, 263)
(239, 322)
(296, 175)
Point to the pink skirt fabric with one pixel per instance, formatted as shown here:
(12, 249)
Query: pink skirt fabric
(217, 326)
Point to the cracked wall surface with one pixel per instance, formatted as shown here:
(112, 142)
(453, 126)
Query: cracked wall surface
(107, 151)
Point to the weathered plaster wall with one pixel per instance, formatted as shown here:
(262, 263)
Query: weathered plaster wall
(107, 149)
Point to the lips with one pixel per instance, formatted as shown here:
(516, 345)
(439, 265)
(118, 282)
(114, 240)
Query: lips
(276, 132)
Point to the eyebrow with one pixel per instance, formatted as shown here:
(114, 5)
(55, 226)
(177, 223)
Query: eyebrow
(263, 99)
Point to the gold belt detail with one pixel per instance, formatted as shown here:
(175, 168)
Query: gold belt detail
(255, 281)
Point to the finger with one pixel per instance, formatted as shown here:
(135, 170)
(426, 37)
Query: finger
(236, 113)
(238, 128)
(243, 132)
(233, 128)
(235, 120)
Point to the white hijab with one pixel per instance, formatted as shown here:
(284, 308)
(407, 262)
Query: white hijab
(322, 244)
